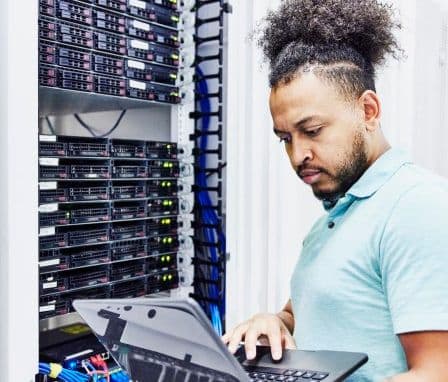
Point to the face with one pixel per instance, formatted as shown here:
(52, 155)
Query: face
(324, 134)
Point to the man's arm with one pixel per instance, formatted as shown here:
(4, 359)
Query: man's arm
(413, 263)
(427, 356)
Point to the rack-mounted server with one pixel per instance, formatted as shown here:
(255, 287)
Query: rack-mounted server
(109, 218)
(121, 48)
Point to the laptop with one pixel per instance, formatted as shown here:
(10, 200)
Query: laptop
(172, 340)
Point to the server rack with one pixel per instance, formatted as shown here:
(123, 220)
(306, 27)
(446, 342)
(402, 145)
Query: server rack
(115, 209)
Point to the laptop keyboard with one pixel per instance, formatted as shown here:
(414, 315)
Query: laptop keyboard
(256, 373)
(144, 371)
(149, 366)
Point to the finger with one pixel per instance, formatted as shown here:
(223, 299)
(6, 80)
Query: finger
(250, 343)
(275, 340)
(237, 336)
(226, 337)
(288, 341)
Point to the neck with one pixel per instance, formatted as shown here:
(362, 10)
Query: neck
(378, 150)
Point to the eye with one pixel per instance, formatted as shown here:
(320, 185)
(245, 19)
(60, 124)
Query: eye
(313, 132)
(284, 139)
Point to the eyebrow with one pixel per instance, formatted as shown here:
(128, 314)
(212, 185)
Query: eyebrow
(298, 125)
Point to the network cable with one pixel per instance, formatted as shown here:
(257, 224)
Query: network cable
(56, 371)
(207, 214)
(91, 130)
(50, 126)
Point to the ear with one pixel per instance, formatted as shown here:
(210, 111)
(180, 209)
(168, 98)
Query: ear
(371, 107)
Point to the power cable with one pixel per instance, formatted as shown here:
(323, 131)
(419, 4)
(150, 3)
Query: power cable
(50, 126)
(91, 130)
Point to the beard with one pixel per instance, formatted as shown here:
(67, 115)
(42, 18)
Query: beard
(346, 174)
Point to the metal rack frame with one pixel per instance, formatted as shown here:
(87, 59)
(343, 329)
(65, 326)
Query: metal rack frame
(214, 156)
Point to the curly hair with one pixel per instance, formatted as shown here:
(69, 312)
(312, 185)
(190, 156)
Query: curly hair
(343, 41)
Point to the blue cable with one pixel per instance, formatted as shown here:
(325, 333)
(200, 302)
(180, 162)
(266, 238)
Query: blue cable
(65, 375)
(205, 200)
(203, 197)
(208, 215)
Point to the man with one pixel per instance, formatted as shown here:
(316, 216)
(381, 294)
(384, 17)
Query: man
(371, 275)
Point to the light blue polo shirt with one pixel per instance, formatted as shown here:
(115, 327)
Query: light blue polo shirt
(376, 266)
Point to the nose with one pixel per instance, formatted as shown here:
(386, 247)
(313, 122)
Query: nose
(299, 153)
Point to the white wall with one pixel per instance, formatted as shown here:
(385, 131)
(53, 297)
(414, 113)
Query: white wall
(269, 211)
(415, 90)
(18, 193)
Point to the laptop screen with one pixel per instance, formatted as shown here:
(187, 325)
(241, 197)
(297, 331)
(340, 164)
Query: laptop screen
(161, 340)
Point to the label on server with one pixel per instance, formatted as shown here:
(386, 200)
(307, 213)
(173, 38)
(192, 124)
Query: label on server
(51, 207)
(47, 231)
(48, 185)
(141, 25)
(47, 138)
(137, 44)
(137, 3)
(136, 64)
(47, 308)
(49, 263)
(53, 284)
(49, 161)
(137, 85)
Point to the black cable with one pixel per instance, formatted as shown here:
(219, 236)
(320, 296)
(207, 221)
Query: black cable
(219, 168)
(50, 126)
(92, 132)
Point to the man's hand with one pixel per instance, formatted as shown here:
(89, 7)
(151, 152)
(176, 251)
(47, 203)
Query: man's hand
(272, 329)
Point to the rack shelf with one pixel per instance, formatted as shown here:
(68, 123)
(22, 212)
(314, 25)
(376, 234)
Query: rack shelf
(56, 101)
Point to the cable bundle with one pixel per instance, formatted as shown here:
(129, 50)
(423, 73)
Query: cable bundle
(100, 372)
(210, 223)
(56, 371)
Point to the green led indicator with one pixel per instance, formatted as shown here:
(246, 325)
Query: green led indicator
(168, 259)
(169, 184)
(170, 277)
(164, 277)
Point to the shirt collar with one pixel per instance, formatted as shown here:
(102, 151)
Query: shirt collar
(373, 178)
(379, 173)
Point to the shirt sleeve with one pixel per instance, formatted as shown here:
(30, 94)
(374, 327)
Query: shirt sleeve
(414, 260)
